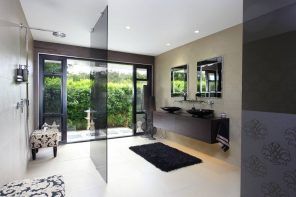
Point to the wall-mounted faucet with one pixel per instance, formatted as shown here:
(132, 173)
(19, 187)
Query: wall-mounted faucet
(211, 103)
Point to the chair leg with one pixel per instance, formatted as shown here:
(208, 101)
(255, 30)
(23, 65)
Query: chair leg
(55, 151)
(34, 154)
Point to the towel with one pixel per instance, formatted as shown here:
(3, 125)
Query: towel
(223, 136)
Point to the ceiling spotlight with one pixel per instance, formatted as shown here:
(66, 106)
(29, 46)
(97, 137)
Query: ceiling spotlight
(168, 44)
(127, 27)
(196, 31)
(59, 34)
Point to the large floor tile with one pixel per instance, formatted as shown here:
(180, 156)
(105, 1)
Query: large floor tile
(130, 175)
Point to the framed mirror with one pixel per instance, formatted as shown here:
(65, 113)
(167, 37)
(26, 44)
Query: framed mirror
(209, 77)
(179, 78)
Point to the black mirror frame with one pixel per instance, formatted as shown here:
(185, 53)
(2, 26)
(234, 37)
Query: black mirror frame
(185, 67)
(208, 61)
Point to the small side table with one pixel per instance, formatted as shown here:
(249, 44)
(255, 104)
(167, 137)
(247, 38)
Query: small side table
(44, 139)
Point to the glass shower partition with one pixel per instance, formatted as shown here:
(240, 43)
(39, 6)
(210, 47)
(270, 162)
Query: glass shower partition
(98, 95)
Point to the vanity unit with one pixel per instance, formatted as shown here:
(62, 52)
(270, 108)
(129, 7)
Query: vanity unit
(199, 123)
(204, 129)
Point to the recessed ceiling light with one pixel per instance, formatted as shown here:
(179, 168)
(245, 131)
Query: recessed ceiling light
(196, 31)
(127, 27)
(168, 44)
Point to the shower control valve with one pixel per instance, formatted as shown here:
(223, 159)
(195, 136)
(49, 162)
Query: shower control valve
(20, 105)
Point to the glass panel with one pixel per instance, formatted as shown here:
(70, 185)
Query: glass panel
(268, 99)
(50, 120)
(140, 95)
(80, 115)
(141, 73)
(120, 97)
(140, 123)
(52, 66)
(52, 94)
(98, 96)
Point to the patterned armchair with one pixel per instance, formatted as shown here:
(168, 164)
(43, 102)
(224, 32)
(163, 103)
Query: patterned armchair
(44, 139)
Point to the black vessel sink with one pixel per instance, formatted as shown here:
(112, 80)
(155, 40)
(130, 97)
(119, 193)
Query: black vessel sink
(171, 109)
(201, 113)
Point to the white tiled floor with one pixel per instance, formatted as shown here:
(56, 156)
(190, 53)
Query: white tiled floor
(85, 135)
(132, 176)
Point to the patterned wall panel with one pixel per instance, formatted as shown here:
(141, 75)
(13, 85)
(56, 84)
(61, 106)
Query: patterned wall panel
(268, 101)
(269, 154)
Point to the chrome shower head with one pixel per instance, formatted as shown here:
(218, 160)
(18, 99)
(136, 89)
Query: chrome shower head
(54, 33)
(59, 34)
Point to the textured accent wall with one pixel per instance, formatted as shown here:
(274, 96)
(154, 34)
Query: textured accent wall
(227, 43)
(269, 94)
(14, 151)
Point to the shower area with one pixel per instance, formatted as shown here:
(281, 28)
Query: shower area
(72, 92)
(88, 97)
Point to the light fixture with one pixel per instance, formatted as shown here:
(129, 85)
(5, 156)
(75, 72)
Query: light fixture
(59, 34)
(127, 27)
(168, 44)
(196, 31)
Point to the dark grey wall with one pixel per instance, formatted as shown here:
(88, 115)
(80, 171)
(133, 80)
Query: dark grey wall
(14, 149)
(269, 95)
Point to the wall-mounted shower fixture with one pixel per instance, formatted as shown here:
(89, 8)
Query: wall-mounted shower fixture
(22, 73)
(54, 33)
(59, 34)
(20, 105)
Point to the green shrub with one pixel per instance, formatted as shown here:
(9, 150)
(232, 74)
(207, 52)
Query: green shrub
(78, 100)
(119, 103)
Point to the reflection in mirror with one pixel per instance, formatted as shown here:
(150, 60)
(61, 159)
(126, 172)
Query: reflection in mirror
(209, 77)
(179, 81)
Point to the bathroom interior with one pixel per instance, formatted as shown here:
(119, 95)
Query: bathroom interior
(136, 98)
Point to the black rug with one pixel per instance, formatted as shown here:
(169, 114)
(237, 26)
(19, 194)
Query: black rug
(165, 157)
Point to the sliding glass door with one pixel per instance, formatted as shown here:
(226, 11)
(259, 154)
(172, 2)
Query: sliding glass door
(126, 112)
(65, 97)
(81, 79)
(66, 86)
(120, 100)
(52, 108)
(142, 78)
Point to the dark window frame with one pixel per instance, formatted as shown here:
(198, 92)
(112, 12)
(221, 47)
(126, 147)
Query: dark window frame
(63, 75)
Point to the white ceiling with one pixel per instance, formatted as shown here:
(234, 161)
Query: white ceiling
(153, 23)
(73, 17)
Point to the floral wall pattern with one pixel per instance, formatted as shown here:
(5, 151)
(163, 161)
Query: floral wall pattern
(268, 102)
(268, 164)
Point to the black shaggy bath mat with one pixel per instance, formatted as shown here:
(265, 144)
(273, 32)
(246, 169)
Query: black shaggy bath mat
(165, 157)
